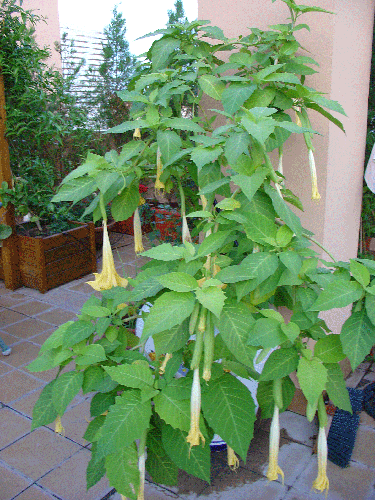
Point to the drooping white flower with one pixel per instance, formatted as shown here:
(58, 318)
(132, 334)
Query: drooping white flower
(233, 461)
(159, 170)
(185, 230)
(314, 180)
(138, 245)
(195, 436)
(321, 482)
(59, 429)
(273, 467)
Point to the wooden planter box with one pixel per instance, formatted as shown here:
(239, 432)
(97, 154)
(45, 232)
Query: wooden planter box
(47, 262)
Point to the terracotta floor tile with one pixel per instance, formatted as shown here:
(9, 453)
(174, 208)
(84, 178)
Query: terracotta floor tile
(57, 316)
(35, 493)
(83, 288)
(8, 317)
(27, 328)
(69, 480)
(26, 404)
(12, 426)
(42, 337)
(15, 384)
(39, 452)
(11, 299)
(22, 354)
(75, 423)
(9, 339)
(5, 368)
(66, 299)
(11, 483)
(32, 307)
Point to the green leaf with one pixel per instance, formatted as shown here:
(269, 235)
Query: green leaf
(291, 330)
(49, 359)
(179, 282)
(235, 324)
(65, 388)
(161, 51)
(96, 311)
(56, 338)
(136, 375)
(260, 228)
(265, 396)
(5, 231)
(77, 331)
(283, 211)
(172, 339)
(329, 350)
(359, 273)
(126, 421)
(213, 32)
(228, 204)
(124, 205)
(357, 337)
(165, 252)
(282, 77)
(158, 464)
(92, 377)
(183, 124)
(235, 145)
(211, 298)
(126, 126)
(212, 86)
(75, 190)
(169, 309)
(312, 377)
(44, 411)
(281, 363)
(235, 95)
(231, 417)
(291, 260)
(267, 333)
(169, 143)
(174, 411)
(233, 274)
(261, 130)
(213, 243)
(250, 184)
(101, 402)
(339, 293)
(91, 354)
(327, 103)
(370, 307)
(94, 472)
(122, 471)
(336, 387)
(202, 156)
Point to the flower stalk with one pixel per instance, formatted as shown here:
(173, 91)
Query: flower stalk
(142, 465)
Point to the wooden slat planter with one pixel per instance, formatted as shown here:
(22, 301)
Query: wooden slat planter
(47, 262)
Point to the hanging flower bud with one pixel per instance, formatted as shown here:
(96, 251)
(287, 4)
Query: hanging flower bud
(195, 434)
(138, 245)
(321, 483)
(185, 230)
(164, 364)
(59, 429)
(108, 278)
(137, 133)
(233, 461)
(273, 467)
(314, 180)
(159, 170)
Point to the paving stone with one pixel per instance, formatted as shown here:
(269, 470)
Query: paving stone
(153, 492)
(7, 317)
(354, 379)
(370, 376)
(8, 339)
(11, 483)
(68, 481)
(38, 453)
(26, 404)
(366, 419)
(67, 300)
(35, 492)
(12, 426)
(22, 354)
(5, 368)
(27, 328)
(75, 423)
(354, 482)
(57, 316)
(15, 384)
(11, 299)
(364, 447)
(32, 307)
(42, 337)
(298, 427)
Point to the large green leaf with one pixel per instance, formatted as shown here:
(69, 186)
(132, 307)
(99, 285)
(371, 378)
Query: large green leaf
(77, 331)
(336, 387)
(329, 350)
(235, 95)
(312, 377)
(124, 205)
(370, 307)
(136, 375)
(183, 124)
(49, 359)
(91, 354)
(339, 293)
(202, 156)
(233, 274)
(212, 86)
(158, 464)
(212, 243)
(169, 143)
(267, 333)
(283, 211)
(235, 324)
(260, 228)
(265, 396)
(44, 411)
(161, 50)
(122, 471)
(165, 252)
(75, 190)
(65, 388)
(357, 337)
(126, 421)
(126, 126)
(280, 363)
(95, 471)
(101, 402)
(250, 184)
(360, 272)
(261, 130)
(230, 417)
(195, 461)
(212, 298)
(179, 282)
(172, 339)
(235, 145)
(261, 265)
(174, 411)
(169, 309)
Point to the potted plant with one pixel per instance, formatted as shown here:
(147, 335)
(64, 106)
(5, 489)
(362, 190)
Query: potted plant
(215, 304)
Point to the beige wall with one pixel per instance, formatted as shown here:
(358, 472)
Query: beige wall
(341, 43)
(47, 33)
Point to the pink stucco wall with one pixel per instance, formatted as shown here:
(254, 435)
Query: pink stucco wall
(47, 33)
(341, 43)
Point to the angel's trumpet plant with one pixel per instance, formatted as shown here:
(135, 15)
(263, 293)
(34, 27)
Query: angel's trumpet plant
(195, 436)
(233, 461)
(314, 180)
(108, 278)
(321, 482)
(138, 245)
(273, 467)
(159, 186)
(59, 429)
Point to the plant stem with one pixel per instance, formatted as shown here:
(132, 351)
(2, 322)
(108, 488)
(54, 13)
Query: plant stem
(313, 240)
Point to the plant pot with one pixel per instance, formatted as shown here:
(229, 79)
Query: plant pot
(51, 261)
(168, 223)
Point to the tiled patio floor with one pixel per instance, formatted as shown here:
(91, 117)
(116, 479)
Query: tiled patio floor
(42, 465)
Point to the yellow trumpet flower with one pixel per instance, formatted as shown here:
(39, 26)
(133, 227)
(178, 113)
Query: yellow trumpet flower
(273, 467)
(314, 180)
(185, 230)
(164, 364)
(108, 278)
(137, 133)
(321, 483)
(159, 170)
(233, 461)
(59, 429)
(138, 245)
(195, 434)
